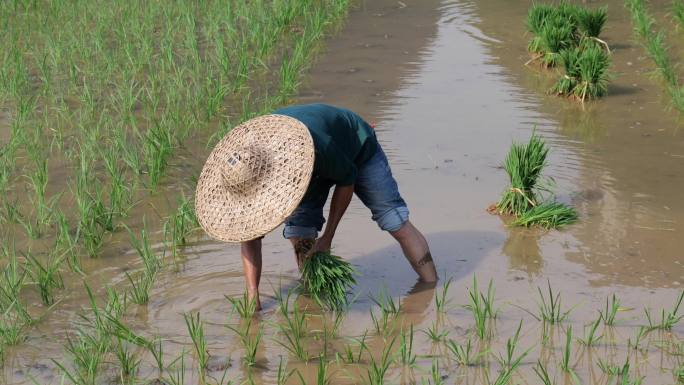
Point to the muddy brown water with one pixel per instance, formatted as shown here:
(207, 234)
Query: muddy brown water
(446, 85)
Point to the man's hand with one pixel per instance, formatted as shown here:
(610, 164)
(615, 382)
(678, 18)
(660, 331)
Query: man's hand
(322, 244)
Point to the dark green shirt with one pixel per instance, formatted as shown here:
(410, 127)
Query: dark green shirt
(343, 141)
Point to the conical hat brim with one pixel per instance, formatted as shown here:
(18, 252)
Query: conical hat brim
(276, 188)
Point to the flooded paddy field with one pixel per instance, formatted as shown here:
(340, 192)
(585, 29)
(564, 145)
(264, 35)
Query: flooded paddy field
(446, 85)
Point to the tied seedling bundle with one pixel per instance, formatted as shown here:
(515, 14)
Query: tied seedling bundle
(568, 35)
(327, 278)
(523, 199)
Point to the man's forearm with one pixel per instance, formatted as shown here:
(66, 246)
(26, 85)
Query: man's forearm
(338, 206)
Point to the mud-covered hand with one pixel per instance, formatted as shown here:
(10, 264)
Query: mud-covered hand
(322, 244)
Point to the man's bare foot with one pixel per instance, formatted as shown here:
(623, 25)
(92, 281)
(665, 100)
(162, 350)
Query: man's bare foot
(253, 295)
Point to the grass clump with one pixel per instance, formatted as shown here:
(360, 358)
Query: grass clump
(568, 34)
(327, 278)
(523, 199)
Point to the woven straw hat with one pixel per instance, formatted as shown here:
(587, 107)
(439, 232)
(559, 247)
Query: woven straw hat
(254, 178)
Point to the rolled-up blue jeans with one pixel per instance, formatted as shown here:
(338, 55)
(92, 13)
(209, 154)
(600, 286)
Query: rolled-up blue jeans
(376, 188)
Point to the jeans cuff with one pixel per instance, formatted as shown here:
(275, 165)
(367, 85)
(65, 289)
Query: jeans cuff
(300, 232)
(393, 219)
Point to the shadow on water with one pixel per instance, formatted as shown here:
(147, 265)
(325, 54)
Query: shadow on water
(457, 254)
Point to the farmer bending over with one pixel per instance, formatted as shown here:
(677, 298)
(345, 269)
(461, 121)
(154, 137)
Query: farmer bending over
(281, 167)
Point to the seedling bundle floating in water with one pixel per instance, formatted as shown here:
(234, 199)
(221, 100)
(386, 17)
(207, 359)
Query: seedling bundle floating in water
(568, 35)
(327, 278)
(523, 199)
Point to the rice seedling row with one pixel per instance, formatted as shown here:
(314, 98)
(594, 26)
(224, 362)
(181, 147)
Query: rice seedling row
(653, 40)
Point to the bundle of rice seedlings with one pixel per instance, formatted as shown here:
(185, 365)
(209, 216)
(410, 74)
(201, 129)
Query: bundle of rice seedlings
(590, 22)
(524, 164)
(586, 72)
(568, 34)
(549, 215)
(327, 278)
(552, 40)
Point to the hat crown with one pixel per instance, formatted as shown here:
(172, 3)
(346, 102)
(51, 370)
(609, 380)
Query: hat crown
(240, 169)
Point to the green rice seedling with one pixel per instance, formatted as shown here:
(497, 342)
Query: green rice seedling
(641, 332)
(567, 351)
(436, 377)
(282, 375)
(181, 224)
(13, 276)
(611, 370)
(116, 303)
(87, 353)
(128, 151)
(129, 363)
(435, 334)
(511, 360)
(244, 306)
(46, 276)
(215, 92)
(543, 374)
(178, 377)
(678, 11)
(66, 243)
(384, 323)
(466, 355)
(327, 278)
(249, 342)
(386, 303)
(196, 330)
(668, 319)
(293, 343)
(590, 337)
(294, 329)
(610, 312)
(406, 355)
(322, 376)
(524, 164)
(295, 320)
(623, 374)
(39, 181)
(678, 373)
(550, 308)
(441, 300)
(377, 369)
(482, 307)
(120, 193)
(140, 288)
(12, 327)
(157, 147)
(151, 261)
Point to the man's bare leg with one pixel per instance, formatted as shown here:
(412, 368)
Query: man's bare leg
(302, 247)
(416, 251)
(251, 263)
